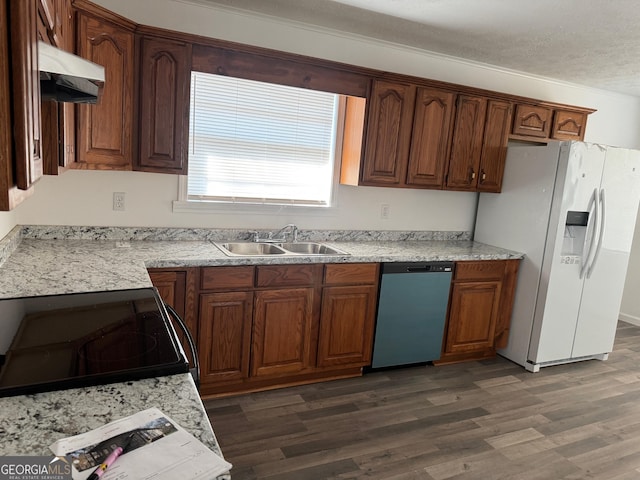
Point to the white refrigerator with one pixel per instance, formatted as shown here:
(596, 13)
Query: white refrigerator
(570, 207)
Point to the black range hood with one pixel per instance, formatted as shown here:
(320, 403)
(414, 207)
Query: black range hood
(65, 77)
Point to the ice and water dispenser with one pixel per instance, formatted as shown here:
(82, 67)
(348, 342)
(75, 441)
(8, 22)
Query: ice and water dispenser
(575, 232)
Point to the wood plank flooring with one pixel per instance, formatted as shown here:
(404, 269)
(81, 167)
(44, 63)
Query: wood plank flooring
(486, 420)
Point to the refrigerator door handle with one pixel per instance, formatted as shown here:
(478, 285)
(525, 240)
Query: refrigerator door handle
(600, 235)
(593, 215)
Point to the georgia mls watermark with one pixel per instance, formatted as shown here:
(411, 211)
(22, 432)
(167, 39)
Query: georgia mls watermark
(35, 468)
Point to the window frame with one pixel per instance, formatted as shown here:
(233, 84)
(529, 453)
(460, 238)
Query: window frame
(183, 204)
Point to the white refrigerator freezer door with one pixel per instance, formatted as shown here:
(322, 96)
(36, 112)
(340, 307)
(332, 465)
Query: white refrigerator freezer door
(603, 290)
(560, 293)
(518, 219)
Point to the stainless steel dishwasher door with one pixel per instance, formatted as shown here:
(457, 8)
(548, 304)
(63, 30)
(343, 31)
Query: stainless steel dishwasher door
(412, 310)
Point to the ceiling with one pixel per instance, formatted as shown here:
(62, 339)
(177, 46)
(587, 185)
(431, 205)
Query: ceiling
(588, 42)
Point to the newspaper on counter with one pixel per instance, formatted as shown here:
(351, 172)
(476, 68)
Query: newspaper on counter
(157, 447)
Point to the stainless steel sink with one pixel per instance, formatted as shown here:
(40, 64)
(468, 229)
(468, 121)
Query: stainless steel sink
(246, 249)
(249, 249)
(311, 248)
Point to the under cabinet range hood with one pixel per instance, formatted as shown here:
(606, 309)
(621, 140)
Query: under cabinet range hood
(65, 77)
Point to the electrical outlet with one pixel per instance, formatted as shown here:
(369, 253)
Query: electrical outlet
(384, 211)
(118, 201)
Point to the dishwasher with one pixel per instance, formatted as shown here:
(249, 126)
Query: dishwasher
(412, 310)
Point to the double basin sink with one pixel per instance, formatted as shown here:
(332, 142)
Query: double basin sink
(243, 249)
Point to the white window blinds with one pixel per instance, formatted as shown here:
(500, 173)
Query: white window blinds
(256, 142)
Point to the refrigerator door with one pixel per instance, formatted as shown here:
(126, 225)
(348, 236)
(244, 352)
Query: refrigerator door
(603, 289)
(518, 219)
(567, 248)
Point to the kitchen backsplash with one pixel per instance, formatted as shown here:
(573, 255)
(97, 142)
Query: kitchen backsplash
(201, 234)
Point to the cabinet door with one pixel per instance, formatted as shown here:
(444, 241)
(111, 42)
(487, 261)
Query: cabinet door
(105, 130)
(165, 74)
(177, 289)
(494, 146)
(568, 125)
(346, 326)
(473, 316)
(282, 331)
(25, 92)
(430, 139)
(225, 336)
(467, 143)
(390, 117)
(532, 121)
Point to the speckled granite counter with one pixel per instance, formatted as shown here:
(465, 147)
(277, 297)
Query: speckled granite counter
(57, 260)
(44, 266)
(30, 423)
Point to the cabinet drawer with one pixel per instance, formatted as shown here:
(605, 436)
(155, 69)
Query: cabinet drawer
(288, 275)
(226, 278)
(481, 270)
(337, 274)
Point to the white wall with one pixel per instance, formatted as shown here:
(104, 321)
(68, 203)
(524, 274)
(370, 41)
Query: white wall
(84, 198)
(7, 222)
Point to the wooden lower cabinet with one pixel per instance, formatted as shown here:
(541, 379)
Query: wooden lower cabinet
(475, 305)
(177, 287)
(225, 335)
(346, 330)
(282, 331)
(480, 308)
(271, 326)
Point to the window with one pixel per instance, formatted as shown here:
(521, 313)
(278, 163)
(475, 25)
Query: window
(255, 142)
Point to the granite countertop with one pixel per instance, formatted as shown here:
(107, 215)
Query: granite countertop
(56, 260)
(30, 423)
(42, 266)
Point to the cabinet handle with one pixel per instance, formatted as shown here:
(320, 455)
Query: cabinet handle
(472, 174)
(483, 176)
(36, 148)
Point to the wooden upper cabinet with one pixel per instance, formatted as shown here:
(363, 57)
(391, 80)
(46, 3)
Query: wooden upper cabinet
(58, 119)
(494, 146)
(430, 138)
(25, 93)
(165, 75)
(466, 149)
(532, 121)
(388, 134)
(105, 130)
(568, 125)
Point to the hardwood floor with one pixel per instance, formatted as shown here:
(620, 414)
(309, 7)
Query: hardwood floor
(484, 420)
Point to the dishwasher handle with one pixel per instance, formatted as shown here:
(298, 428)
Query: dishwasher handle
(417, 267)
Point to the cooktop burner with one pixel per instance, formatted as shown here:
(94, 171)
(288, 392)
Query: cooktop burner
(64, 341)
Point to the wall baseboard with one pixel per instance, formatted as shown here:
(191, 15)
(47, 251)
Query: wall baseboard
(629, 319)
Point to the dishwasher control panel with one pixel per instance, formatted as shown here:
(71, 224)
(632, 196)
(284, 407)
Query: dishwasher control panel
(417, 267)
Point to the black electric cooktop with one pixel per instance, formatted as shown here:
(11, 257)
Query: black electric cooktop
(74, 340)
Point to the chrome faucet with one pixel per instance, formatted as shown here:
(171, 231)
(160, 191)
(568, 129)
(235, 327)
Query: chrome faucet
(278, 237)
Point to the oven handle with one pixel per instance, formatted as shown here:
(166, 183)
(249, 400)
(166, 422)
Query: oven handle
(195, 371)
